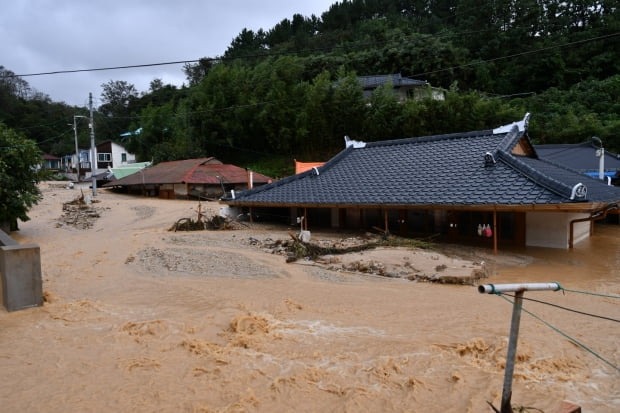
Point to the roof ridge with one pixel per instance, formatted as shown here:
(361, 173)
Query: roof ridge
(429, 138)
(537, 177)
(510, 139)
(199, 161)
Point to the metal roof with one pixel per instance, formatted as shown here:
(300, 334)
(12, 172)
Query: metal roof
(190, 171)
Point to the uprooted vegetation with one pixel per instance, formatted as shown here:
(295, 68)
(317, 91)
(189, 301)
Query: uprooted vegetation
(203, 222)
(298, 249)
(381, 255)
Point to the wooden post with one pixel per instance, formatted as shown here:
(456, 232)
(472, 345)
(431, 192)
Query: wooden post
(385, 219)
(512, 352)
(495, 232)
(306, 219)
(251, 218)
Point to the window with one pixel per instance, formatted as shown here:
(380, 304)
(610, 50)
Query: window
(123, 157)
(104, 157)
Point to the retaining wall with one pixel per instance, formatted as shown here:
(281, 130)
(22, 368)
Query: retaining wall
(20, 271)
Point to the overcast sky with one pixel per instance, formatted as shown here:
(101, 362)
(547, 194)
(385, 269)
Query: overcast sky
(51, 35)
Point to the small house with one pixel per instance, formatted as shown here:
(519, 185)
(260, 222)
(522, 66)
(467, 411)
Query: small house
(51, 162)
(201, 178)
(403, 87)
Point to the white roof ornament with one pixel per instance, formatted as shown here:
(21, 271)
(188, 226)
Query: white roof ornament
(522, 125)
(356, 144)
(489, 159)
(578, 192)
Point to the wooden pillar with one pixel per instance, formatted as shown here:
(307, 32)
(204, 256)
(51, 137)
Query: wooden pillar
(495, 232)
(385, 219)
(251, 216)
(306, 219)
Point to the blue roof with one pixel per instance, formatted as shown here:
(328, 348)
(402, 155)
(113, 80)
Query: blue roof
(434, 171)
(581, 156)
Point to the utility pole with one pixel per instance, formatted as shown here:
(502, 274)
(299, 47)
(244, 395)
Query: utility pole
(518, 289)
(77, 151)
(93, 150)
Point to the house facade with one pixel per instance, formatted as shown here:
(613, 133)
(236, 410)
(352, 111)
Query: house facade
(485, 188)
(51, 162)
(108, 154)
(112, 155)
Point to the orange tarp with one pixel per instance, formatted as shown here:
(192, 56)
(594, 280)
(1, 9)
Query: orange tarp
(304, 166)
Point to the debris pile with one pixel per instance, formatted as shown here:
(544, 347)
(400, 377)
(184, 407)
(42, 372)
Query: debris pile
(202, 223)
(390, 256)
(79, 213)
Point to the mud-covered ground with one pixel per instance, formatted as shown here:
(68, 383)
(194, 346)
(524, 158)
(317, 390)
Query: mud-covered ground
(140, 318)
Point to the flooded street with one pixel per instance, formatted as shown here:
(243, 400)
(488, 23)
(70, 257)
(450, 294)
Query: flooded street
(140, 319)
(593, 264)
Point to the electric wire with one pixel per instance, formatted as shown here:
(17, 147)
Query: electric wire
(495, 59)
(589, 293)
(573, 340)
(568, 309)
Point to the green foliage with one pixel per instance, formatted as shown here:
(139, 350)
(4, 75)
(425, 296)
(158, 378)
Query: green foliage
(19, 158)
(292, 91)
(590, 108)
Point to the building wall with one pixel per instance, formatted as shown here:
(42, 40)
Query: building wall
(117, 155)
(552, 229)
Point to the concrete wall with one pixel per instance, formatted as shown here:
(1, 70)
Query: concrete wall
(20, 271)
(552, 229)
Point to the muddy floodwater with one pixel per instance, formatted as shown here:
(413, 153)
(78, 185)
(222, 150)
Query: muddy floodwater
(141, 319)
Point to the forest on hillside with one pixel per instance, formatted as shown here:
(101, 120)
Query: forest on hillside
(291, 91)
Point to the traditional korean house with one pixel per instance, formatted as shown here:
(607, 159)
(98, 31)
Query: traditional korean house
(485, 187)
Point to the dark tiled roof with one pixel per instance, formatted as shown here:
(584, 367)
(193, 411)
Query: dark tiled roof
(581, 156)
(442, 170)
(373, 82)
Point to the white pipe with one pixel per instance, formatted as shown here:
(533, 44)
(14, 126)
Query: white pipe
(504, 288)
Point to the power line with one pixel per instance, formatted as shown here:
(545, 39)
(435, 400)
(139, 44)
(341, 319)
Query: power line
(543, 49)
(264, 55)
(568, 309)
(572, 339)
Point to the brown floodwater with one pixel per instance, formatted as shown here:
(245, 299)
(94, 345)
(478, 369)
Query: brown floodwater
(139, 319)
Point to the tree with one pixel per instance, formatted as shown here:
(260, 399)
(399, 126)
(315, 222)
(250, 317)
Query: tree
(19, 158)
(116, 97)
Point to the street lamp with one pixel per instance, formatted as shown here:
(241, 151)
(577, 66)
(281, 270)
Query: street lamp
(600, 153)
(77, 151)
